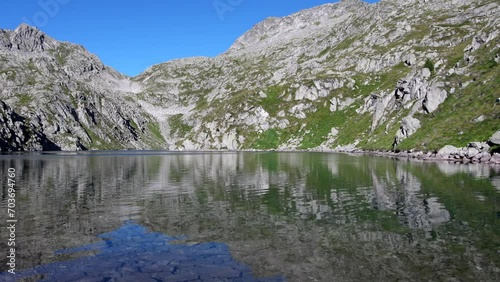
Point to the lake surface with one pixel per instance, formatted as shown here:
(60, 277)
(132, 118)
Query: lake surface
(249, 216)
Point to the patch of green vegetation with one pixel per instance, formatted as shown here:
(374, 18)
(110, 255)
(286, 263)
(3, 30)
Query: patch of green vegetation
(24, 99)
(11, 74)
(31, 80)
(133, 124)
(354, 128)
(231, 105)
(31, 65)
(429, 64)
(100, 144)
(186, 85)
(177, 126)
(74, 102)
(318, 125)
(388, 80)
(419, 32)
(454, 54)
(325, 51)
(154, 128)
(61, 53)
(488, 65)
(364, 87)
(269, 139)
(272, 103)
(201, 104)
(379, 82)
(464, 23)
(344, 44)
(229, 87)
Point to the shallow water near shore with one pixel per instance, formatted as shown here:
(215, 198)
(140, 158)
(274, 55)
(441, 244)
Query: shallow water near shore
(249, 216)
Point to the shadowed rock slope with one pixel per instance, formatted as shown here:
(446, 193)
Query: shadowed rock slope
(57, 93)
(391, 75)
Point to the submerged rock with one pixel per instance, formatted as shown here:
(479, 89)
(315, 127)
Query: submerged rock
(133, 253)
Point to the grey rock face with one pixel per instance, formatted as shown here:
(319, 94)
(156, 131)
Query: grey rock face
(447, 152)
(433, 98)
(17, 133)
(409, 125)
(495, 158)
(481, 146)
(495, 138)
(26, 39)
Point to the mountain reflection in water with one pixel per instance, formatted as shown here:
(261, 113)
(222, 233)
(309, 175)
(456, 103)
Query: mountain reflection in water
(302, 216)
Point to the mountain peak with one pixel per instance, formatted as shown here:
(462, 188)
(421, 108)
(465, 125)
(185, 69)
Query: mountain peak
(299, 23)
(25, 27)
(25, 38)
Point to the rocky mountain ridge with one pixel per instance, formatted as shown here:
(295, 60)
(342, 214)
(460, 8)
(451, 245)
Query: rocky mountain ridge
(65, 94)
(394, 75)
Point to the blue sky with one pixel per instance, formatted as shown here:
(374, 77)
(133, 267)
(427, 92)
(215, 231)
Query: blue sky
(131, 35)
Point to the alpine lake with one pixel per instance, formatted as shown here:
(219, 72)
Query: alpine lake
(247, 216)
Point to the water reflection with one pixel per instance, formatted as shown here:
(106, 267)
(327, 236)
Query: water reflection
(301, 215)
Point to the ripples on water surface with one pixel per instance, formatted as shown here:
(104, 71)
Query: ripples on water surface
(251, 216)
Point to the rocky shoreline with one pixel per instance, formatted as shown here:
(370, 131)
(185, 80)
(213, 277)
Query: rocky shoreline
(457, 155)
(465, 155)
(474, 152)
